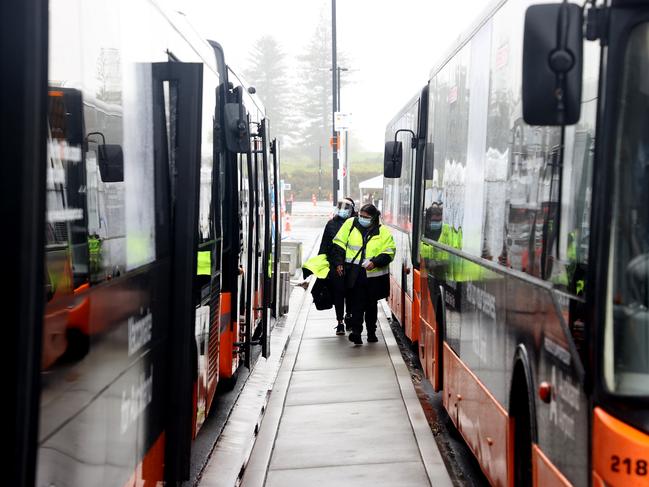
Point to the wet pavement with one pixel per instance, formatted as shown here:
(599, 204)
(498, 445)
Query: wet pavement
(341, 414)
(322, 411)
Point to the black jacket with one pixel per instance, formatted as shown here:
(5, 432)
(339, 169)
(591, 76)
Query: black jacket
(330, 231)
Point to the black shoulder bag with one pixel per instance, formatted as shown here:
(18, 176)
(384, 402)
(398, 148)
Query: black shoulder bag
(352, 270)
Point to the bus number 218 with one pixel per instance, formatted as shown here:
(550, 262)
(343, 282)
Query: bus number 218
(626, 465)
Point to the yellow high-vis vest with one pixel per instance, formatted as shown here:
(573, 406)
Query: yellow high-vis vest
(318, 265)
(204, 263)
(351, 240)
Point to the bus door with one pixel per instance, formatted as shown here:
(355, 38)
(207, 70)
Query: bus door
(266, 260)
(232, 299)
(207, 281)
(177, 93)
(416, 210)
(620, 301)
(276, 227)
(118, 345)
(247, 205)
(259, 157)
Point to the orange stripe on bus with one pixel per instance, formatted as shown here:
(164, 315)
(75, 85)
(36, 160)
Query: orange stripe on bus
(85, 286)
(620, 452)
(150, 471)
(79, 316)
(479, 417)
(226, 304)
(428, 344)
(407, 318)
(228, 359)
(416, 304)
(544, 473)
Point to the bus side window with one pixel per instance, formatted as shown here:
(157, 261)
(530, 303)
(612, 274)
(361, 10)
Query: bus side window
(577, 179)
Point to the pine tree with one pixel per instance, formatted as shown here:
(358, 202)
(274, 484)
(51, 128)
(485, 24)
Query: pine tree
(314, 91)
(267, 73)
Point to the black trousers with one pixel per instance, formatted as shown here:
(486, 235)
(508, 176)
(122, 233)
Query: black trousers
(362, 305)
(337, 286)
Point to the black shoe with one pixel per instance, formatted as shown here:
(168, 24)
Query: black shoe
(371, 337)
(348, 325)
(340, 329)
(355, 339)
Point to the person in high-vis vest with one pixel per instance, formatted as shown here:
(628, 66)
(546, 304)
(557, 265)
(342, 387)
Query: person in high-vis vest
(344, 210)
(364, 250)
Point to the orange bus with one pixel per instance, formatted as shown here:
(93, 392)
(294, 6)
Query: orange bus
(516, 184)
(156, 185)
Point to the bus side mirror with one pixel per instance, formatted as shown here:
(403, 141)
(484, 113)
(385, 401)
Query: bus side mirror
(237, 132)
(110, 159)
(392, 159)
(552, 64)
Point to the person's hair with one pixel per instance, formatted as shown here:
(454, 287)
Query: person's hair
(372, 211)
(350, 200)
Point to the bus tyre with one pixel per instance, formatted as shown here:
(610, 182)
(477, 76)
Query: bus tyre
(439, 352)
(226, 384)
(520, 411)
(78, 346)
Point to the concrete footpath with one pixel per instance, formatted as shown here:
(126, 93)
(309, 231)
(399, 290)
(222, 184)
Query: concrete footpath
(343, 415)
(322, 412)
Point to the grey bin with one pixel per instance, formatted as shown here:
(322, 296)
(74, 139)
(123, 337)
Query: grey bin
(284, 292)
(294, 250)
(285, 262)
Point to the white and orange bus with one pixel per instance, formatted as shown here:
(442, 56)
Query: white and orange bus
(157, 186)
(516, 184)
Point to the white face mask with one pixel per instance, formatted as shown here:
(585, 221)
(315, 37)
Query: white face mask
(364, 222)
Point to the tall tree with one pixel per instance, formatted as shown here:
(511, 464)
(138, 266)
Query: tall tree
(267, 73)
(314, 91)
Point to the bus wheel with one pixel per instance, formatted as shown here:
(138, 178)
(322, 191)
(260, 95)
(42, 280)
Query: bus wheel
(520, 412)
(78, 346)
(226, 384)
(440, 320)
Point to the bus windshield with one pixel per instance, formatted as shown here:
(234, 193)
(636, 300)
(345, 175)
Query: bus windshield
(626, 354)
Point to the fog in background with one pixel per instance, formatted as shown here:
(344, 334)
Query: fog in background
(389, 47)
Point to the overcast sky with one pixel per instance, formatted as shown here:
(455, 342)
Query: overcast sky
(391, 44)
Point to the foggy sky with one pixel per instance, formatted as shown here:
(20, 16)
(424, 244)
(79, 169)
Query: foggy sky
(391, 45)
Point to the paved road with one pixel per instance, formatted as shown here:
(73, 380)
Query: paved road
(306, 221)
(306, 224)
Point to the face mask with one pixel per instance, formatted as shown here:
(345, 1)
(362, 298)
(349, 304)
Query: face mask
(344, 213)
(435, 225)
(365, 222)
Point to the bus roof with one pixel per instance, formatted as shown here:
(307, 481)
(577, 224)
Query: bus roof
(404, 108)
(463, 38)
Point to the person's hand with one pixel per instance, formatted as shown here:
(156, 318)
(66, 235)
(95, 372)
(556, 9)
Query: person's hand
(370, 266)
(340, 270)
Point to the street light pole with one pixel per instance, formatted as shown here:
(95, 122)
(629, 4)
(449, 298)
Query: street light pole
(334, 104)
(339, 69)
(344, 189)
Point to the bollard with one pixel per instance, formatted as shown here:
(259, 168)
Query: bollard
(287, 223)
